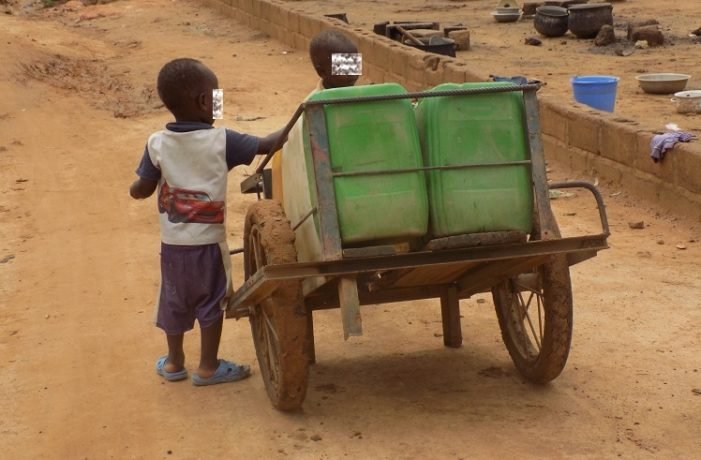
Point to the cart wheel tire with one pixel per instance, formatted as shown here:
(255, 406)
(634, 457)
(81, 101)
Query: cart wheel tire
(535, 317)
(279, 323)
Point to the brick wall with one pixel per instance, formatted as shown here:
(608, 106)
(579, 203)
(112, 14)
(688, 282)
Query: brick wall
(595, 143)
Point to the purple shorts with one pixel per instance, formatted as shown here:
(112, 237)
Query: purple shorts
(193, 284)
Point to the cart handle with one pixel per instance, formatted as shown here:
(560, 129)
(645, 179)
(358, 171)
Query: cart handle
(597, 196)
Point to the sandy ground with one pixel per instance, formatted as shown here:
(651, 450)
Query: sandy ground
(79, 274)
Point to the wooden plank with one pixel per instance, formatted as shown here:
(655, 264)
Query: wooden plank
(423, 276)
(326, 196)
(400, 294)
(476, 239)
(546, 219)
(450, 316)
(324, 300)
(373, 251)
(311, 349)
(350, 306)
(488, 274)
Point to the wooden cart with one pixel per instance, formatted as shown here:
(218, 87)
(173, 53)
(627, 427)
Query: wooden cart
(527, 274)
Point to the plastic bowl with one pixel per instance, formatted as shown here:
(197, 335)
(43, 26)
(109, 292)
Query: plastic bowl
(506, 17)
(508, 10)
(662, 83)
(687, 101)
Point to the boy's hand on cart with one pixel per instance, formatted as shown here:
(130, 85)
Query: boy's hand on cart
(271, 141)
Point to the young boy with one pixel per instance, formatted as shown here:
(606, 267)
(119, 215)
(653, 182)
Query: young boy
(291, 165)
(188, 163)
(321, 49)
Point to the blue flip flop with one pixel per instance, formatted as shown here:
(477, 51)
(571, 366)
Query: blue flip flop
(169, 376)
(226, 372)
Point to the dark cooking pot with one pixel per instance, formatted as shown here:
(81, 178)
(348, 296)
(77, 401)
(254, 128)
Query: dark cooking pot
(586, 20)
(551, 21)
(437, 45)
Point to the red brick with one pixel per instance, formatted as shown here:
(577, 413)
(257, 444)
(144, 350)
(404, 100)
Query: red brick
(583, 131)
(264, 11)
(416, 68)
(618, 142)
(300, 42)
(364, 42)
(394, 78)
(435, 74)
(256, 7)
(308, 25)
(399, 60)
(292, 21)
(456, 72)
(552, 120)
(687, 159)
(246, 5)
(373, 73)
(413, 86)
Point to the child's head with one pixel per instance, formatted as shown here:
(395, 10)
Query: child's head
(185, 86)
(322, 47)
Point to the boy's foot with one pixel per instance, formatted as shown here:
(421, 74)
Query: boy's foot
(226, 372)
(169, 376)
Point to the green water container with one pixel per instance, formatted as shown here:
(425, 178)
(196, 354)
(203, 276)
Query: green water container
(376, 136)
(476, 129)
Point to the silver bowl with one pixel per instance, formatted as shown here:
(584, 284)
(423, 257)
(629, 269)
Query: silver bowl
(662, 83)
(506, 17)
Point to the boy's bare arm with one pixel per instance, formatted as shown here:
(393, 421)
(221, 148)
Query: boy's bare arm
(270, 141)
(142, 188)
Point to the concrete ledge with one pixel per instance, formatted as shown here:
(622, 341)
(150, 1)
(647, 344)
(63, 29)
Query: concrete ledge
(588, 141)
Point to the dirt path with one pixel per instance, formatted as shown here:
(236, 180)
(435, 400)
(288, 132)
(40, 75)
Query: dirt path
(79, 273)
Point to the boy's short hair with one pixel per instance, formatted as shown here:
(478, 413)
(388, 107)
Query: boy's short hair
(180, 79)
(326, 43)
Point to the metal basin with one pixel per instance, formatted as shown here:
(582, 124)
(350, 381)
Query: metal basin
(662, 83)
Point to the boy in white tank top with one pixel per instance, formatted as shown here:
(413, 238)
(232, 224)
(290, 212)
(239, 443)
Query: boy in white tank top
(187, 163)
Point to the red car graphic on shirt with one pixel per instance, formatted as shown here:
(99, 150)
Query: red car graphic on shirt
(189, 206)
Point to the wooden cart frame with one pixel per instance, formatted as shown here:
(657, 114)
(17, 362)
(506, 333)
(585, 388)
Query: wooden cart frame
(523, 272)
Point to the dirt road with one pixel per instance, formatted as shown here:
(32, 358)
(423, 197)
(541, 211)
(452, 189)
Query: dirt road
(79, 274)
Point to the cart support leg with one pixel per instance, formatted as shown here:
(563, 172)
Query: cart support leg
(450, 314)
(311, 350)
(350, 306)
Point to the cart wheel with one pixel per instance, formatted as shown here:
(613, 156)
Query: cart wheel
(535, 317)
(279, 323)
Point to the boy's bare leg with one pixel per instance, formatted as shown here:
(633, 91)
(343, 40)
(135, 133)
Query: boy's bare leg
(209, 360)
(176, 355)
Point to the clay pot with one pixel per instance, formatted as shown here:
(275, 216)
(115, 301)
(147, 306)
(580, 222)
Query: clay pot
(569, 3)
(586, 20)
(551, 21)
(529, 8)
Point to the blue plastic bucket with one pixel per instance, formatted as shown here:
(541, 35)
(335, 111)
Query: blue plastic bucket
(597, 91)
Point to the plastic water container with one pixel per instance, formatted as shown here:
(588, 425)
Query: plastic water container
(469, 130)
(597, 91)
(376, 136)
